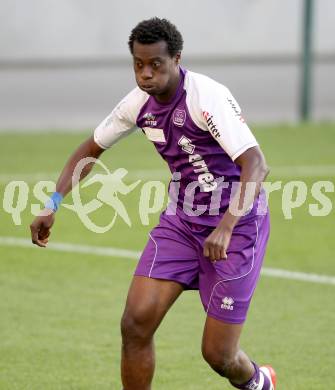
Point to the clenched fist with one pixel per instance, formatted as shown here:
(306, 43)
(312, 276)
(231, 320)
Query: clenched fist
(40, 228)
(216, 244)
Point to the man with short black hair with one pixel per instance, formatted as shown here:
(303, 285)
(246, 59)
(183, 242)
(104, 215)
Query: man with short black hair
(202, 241)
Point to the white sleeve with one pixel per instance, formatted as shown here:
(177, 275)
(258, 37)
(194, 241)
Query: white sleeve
(223, 118)
(121, 121)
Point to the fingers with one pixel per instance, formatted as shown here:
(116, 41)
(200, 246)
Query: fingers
(44, 233)
(223, 254)
(34, 234)
(39, 236)
(206, 249)
(44, 241)
(214, 251)
(43, 237)
(40, 228)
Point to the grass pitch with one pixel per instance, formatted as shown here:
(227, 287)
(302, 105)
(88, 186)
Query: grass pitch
(60, 312)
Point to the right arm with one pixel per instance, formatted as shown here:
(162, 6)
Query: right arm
(40, 228)
(120, 123)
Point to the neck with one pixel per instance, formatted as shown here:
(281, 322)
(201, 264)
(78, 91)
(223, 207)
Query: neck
(171, 90)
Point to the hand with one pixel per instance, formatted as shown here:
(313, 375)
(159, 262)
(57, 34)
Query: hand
(40, 228)
(216, 244)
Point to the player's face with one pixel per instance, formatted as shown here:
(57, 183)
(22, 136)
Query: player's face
(156, 72)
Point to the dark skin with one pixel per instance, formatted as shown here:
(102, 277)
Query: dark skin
(253, 170)
(157, 73)
(41, 226)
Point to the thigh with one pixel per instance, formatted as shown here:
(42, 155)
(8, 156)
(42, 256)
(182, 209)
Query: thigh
(149, 300)
(170, 253)
(226, 287)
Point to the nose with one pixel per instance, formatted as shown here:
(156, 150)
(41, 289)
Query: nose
(146, 73)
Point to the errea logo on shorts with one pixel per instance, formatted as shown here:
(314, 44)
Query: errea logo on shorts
(227, 303)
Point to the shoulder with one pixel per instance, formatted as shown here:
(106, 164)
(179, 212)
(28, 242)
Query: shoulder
(204, 95)
(136, 95)
(132, 103)
(202, 87)
(211, 96)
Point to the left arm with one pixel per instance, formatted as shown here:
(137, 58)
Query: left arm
(253, 170)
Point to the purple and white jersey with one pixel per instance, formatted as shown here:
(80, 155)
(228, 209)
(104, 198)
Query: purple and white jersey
(199, 133)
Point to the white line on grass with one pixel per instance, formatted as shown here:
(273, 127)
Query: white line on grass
(72, 248)
(295, 171)
(303, 276)
(129, 254)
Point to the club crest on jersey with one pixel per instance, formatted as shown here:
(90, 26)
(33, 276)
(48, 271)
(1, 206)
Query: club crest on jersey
(179, 117)
(150, 119)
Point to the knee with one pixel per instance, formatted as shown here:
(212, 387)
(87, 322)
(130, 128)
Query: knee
(135, 326)
(220, 359)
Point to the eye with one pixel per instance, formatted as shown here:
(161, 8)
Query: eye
(138, 64)
(156, 64)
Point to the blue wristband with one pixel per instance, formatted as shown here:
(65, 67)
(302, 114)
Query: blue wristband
(54, 202)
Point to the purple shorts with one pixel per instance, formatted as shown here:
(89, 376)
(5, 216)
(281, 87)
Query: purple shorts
(175, 252)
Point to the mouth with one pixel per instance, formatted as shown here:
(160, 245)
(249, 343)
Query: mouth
(147, 87)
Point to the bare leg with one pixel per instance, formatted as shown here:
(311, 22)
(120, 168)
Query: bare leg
(147, 303)
(220, 348)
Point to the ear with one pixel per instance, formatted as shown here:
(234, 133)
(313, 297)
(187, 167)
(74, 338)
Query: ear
(178, 58)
